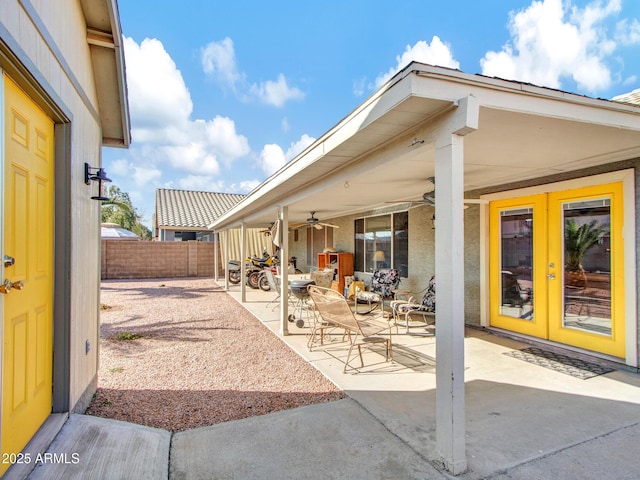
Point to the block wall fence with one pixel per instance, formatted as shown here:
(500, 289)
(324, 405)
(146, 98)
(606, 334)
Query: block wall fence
(122, 259)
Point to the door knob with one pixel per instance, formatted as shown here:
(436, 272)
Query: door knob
(551, 276)
(8, 261)
(8, 285)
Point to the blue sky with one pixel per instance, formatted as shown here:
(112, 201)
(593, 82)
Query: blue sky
(222, 94)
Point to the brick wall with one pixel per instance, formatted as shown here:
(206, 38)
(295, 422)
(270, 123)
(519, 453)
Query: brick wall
(129, 259)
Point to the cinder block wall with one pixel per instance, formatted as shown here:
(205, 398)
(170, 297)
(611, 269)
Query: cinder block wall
(129, 259)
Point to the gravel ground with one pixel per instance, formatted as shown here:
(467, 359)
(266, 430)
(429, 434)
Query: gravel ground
(181, 353)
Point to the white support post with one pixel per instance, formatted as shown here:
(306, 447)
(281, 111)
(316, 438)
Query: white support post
(284, 271)
(226, 259)
(243, 267)
(449, 172)
(216, 245)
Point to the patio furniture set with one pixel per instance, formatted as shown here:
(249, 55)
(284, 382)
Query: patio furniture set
(325, 311)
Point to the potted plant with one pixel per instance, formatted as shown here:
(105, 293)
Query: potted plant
(578, 239)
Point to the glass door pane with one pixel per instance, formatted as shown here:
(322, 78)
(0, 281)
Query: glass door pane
(587, 261)
(516, 263)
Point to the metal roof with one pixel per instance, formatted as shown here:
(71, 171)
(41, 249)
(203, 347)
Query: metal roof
(191, 210)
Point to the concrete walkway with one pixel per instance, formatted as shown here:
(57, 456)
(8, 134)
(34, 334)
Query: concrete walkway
(523, 421)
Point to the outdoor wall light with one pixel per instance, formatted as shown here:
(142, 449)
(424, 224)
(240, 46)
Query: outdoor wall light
(92, 174)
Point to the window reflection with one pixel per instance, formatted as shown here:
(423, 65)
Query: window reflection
(516, 247)
(382, 242)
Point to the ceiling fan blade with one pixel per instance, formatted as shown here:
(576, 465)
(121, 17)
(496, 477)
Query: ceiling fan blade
(296, 226)
(317, 226)
(330, 225)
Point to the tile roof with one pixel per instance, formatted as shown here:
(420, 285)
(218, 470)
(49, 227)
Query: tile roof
(188, 209)
(631, 97)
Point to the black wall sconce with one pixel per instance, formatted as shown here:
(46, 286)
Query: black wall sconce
(92, 174)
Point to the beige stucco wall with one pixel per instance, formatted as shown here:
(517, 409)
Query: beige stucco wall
(52, 37)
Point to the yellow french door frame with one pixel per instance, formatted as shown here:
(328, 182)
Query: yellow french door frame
(615, 343)
(548, 267)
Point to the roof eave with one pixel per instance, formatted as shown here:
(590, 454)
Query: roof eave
(104, 36)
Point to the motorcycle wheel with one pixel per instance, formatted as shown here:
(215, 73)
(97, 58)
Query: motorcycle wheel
(252, 279)
(234, 277)
(263, 283)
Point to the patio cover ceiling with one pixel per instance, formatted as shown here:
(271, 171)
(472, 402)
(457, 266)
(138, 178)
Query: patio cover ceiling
(385, 148)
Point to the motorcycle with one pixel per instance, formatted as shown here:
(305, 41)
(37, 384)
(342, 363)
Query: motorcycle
(233, 269)
(263, 281)
(253, 266)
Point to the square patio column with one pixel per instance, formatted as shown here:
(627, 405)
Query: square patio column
(243, 267)
(449, 172)
(226, 259)
(284, 271)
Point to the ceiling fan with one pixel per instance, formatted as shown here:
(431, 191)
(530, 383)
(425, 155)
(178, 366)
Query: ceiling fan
(429, 197)
(314, 222)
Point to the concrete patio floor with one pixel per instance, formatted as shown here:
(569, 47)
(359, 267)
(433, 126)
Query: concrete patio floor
(523, 421)
(518, 415)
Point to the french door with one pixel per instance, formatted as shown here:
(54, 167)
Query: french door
(557, 265)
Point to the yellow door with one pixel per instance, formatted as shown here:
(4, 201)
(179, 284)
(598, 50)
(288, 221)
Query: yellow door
(28, 264)
(518, 250)
(557, 267)
(586, 294)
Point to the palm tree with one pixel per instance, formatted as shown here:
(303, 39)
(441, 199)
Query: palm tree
(577, 241)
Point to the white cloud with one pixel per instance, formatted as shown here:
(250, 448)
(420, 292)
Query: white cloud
(359, 86)
(296, 147)
(273, 157)
(628, 33)
(551, 41)
(158, 97)
(435, 53)
(275, 93)
(119, 167)
(243, 187)
(219, 61)
(143, 176)
(161, 108)
(199, 183)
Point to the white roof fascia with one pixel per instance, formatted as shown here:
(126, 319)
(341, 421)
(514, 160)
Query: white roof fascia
(447, 84)
(534, 100)
(345, 129)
